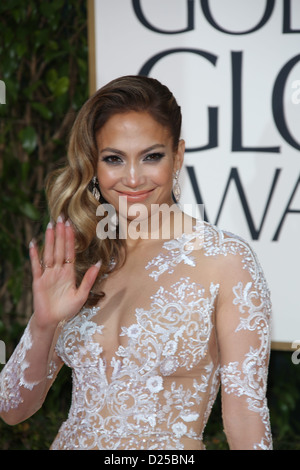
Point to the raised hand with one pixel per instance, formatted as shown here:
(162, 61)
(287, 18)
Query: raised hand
(55, 294)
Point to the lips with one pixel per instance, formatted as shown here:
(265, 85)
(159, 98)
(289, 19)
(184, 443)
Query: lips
(135, 195)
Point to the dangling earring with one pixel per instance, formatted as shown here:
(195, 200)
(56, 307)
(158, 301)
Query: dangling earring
(176, 187)
(95, 188)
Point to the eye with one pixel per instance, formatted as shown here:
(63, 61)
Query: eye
(154, 157)
(112, 159)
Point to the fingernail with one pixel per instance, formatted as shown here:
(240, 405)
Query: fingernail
(98, 264)
(31, 244)
(68, 224)
(59, 219)
(50, 225)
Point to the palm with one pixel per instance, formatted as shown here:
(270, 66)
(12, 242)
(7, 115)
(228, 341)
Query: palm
(56, 296)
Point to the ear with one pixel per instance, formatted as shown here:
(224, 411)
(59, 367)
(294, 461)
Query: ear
(179, 155)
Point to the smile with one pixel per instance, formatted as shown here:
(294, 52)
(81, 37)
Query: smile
(135, 195)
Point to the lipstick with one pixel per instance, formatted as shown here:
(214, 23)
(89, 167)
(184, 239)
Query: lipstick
(135, 196)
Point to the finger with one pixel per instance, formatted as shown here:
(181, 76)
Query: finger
(34, 259)
(49, 246)
(70, 243)
(88, 281)
(59, 248)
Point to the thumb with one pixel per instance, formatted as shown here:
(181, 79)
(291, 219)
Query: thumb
(88, 280)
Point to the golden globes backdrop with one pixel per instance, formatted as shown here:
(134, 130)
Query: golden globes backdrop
(234, 67)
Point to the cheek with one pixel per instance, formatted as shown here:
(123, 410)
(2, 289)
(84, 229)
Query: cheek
(107, 176)
(163, 175)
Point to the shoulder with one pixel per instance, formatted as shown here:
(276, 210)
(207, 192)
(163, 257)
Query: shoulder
(237, 266)
(230, 251)
(222, 242)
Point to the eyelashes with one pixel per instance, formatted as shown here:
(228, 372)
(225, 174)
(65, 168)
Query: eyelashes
(154, 156)
(112, 159)
(117, 160)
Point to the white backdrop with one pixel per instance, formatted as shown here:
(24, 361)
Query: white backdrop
(234, 67)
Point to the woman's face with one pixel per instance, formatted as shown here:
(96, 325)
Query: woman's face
(137, 161)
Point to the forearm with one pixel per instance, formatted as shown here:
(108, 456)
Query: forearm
(247, 425)
(24, 380)
(243, 329)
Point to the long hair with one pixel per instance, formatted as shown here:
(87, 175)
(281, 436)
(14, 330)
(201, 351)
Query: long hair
(68, 189)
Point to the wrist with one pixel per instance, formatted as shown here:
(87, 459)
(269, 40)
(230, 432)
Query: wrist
(42, 328)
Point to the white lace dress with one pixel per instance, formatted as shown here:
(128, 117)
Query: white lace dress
(201, 317)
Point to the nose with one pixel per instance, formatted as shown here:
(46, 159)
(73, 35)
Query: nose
(133, 176)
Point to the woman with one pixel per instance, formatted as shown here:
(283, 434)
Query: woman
(149, 323)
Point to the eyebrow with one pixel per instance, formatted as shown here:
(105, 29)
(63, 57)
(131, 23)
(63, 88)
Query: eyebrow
(120, 152)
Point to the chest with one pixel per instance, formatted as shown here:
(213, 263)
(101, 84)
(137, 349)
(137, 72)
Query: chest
(168, 333)
(157, 315)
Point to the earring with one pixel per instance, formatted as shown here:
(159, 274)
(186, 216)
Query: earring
(176, 187)
(95, 188)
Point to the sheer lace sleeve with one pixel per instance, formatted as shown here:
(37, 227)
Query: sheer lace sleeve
(27, 376)
(243, 328)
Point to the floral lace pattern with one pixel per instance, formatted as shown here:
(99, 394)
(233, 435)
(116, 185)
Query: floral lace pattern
(251, 379)
(164, 379)
(172, 335)
(248, 378)
(180, 250)
(12, 378)
(156, 390)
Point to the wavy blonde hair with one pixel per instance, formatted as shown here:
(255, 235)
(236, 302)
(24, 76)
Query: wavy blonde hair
(68, 189)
